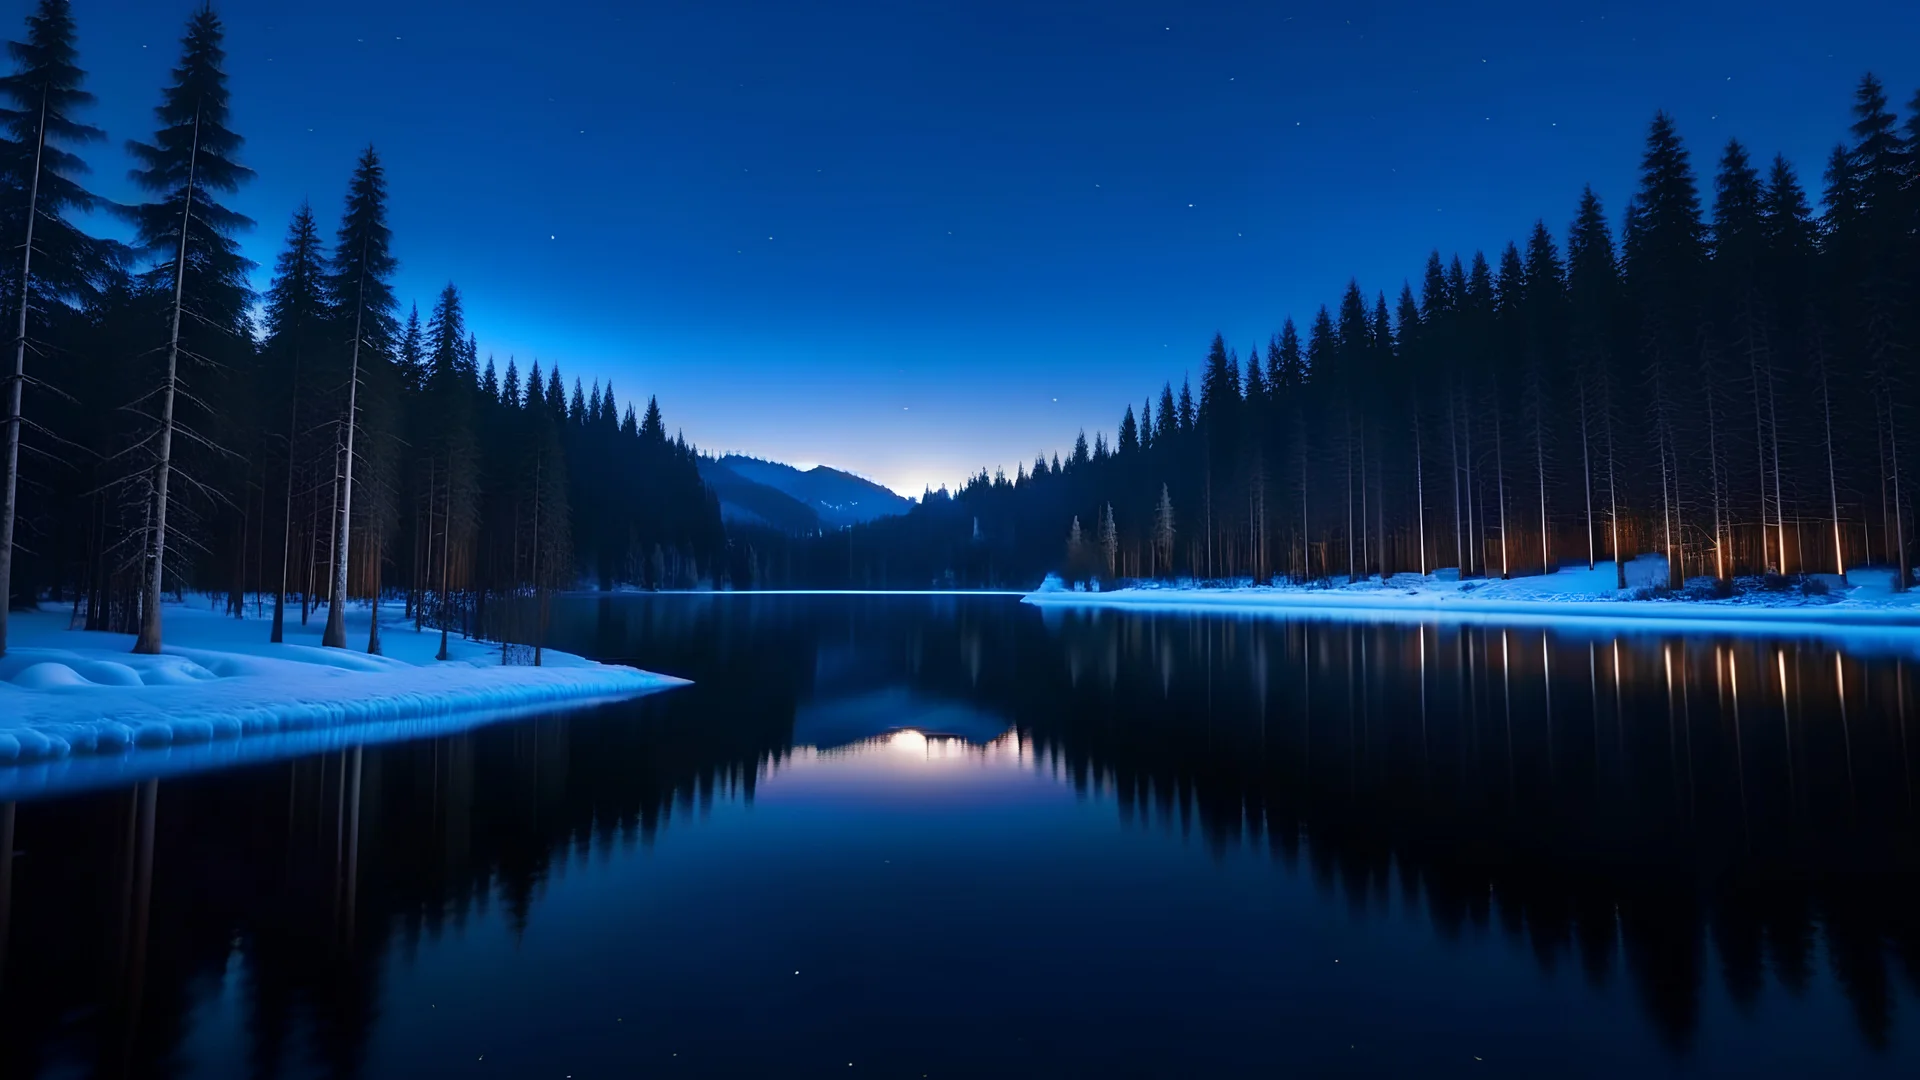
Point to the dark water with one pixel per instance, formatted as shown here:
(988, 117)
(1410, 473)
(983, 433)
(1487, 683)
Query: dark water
(1112, 846)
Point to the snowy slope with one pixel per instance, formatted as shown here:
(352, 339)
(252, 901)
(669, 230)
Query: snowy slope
(69, 694)
(1571, 594)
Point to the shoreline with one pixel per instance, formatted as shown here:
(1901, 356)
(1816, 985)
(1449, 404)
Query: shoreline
(67, 695)
(1584, 596)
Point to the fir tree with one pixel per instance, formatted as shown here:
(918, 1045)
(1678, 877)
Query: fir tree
(297, 313)
(188, 163)
(38, 192)
(363, 263)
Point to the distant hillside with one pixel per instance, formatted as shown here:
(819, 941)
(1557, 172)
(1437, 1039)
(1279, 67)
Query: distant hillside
(749, 503)
(837, 499)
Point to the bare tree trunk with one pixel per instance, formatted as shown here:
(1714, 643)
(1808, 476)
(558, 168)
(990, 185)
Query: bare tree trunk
(1586, 469)
(1380, 517)
(1833, 483)
(1366, 556)
(1500, 487)
(1779, 501)
(373, 577)
(1886, 515)
(1760, 451)
(1420, 492)
(1349, 456)
(1453, 444)
(286, 533)
(9, 504)
(335, 635)
(446, 550)
(1540, 469)
(1674, 572)
(149, 639)
(1306, 553)
(1613, 507)
(540, 596)
(1720, 571)
(1903, 570)
(1478, 554)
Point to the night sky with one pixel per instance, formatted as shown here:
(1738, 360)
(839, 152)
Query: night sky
(911, 239)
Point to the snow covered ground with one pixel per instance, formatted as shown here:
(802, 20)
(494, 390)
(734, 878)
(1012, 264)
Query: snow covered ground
(1868, 602)
(78, 702)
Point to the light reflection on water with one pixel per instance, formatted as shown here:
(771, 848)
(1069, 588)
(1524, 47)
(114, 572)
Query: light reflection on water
(949, 835)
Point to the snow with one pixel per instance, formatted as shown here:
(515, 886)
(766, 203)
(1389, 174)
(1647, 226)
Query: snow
(70, 700)
(1574, 594)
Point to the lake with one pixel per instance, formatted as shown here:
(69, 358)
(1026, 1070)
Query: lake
(952, 836)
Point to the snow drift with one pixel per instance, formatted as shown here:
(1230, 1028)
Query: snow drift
(67, 694)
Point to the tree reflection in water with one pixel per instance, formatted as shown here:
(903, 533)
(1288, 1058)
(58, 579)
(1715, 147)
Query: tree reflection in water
(1663, 810)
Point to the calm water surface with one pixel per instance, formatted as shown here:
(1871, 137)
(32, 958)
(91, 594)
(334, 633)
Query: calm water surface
(948, 836)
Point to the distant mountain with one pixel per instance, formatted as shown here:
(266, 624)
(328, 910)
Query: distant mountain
(749, 503)
(836, 499)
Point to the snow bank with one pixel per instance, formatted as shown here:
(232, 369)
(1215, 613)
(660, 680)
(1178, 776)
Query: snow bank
(1867, 602)
(68, 694)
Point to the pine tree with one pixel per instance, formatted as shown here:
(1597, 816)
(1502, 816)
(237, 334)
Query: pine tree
(1129, 433)
(296, 311)
(510, 392)
(413, 354)
(363, 265)
(38, 191)
(652, 428)
(448, 443)
(189, 161)
(1169, 419)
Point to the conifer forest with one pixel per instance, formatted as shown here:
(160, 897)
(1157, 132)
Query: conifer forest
(170, 431)
(1716, 370)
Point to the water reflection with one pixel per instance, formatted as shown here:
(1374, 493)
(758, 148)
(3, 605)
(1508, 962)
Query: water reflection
(1718, 829)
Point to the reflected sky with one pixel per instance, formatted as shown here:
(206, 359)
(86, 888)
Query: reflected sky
(1170, 847)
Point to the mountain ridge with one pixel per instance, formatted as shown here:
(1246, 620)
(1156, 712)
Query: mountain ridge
(770, 493)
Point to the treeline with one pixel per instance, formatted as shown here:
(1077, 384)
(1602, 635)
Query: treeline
(1728, 385)
(167, 429)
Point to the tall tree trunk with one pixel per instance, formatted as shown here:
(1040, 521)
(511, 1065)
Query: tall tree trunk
(1540, 470)
(1420, 494)
(446, 555)
(1453, 444)
(373, 577)
(9, 505)
(1586, 469)
(1306, 552)
(1903, 570)
(286, 532)
(1720, 571)
(1366, 554)
(1833, 483)
(149, 638)
(335, 635)
(1500, 488)
(1349, 457)
(1779, 501)
(1613, 505)
(1760, 452)
(1478, 553)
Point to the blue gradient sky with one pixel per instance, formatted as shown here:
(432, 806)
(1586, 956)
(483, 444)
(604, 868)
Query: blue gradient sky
(913, 239)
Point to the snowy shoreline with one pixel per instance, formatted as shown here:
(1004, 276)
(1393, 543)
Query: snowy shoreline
(1572, 594)
(72, 695)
